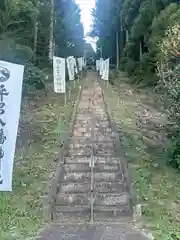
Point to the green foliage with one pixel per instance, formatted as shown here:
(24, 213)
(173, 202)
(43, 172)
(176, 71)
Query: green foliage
(149, 44)
(34, 78)
(25, 35)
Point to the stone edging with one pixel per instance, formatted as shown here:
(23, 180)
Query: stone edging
(120, 153)
(50, 197)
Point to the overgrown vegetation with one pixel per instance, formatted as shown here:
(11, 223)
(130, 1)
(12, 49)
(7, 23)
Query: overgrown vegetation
(32, 31)
(147, 35)
(43, 128)
(143, 126)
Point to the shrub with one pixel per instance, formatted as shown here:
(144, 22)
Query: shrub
(34, 78)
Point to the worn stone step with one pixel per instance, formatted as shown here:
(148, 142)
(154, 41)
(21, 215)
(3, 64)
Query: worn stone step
(78, 214)
(108, 176)
(81, 133)
(73, 199)
(77, 177)
(109, 187)
(80, 209)
(91, 142)
(106, 160)
(106, 167)
(80, 151)
(85, 167)
(80, 141)
(97, 160)
(98, 176)
(110, 199)
(75, 187)
(76, 159)
(77, 167)
(102, 220)
(111, 211)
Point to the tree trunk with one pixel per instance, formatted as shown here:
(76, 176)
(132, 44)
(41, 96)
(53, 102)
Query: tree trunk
(51, 32)
(36, 24)
(140, 50)
(127, 36)
(117, 50)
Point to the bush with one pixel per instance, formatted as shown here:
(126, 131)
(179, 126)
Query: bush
(34, 78)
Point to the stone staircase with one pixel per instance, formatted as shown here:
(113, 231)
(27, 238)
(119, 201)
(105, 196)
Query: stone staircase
(93, 187)
(92, 199)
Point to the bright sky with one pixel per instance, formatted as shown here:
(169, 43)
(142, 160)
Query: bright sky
(86, 7)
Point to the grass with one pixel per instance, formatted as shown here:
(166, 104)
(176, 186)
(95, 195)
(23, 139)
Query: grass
(43, 128)
(142, 123)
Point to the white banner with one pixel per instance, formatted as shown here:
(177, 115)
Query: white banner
(59, 75)
(105, 75)
(80, 63)
(11, 78)
(84, 62)
(70, 66)
(101, 66)
(97, 65)
(75, 66)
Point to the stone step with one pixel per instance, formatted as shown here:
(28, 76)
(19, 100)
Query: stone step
(84, 167)
(81, 134)
(109, 187)
(110, 199)
(97, 159)
(78, 214)
(98, 177)
(100, 199)
(91, 143)
(101, 219)
(76, 160)
(80, 151)
(77, 167)
(80, 141)
(77, 177)
(99, 187)
(73, 199)
(104, 212)
(75, 187)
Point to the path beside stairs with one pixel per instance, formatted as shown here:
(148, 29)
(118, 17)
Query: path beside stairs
(92, 199)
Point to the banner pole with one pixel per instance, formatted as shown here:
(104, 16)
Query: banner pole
(69, 94)
(65, 98)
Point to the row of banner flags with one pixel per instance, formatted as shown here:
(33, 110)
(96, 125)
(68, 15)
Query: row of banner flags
(59, 71)
(102, 66)
(11, 79)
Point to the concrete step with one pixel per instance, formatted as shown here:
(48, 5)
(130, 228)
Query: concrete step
(73, 199)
